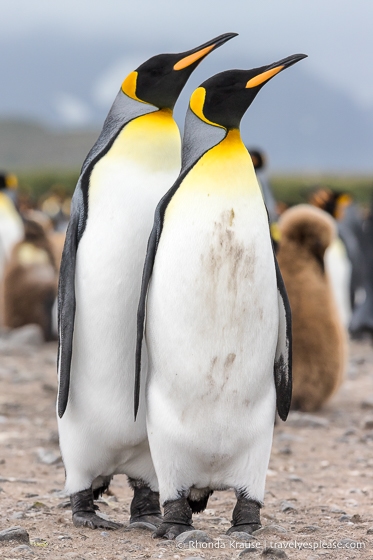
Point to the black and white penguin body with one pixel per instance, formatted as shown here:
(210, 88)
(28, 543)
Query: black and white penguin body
(11, 225)
(134, 162)
(217, 316)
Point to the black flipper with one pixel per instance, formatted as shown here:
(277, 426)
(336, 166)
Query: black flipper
(283, 357)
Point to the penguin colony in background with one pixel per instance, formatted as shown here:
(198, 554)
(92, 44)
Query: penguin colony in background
(211, 303)
(319, 336)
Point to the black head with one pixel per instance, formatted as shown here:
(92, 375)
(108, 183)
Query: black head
(8, 181)
(160, 79)
(224, 98)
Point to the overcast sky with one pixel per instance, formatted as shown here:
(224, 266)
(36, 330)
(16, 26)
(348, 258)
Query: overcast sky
(336, 34)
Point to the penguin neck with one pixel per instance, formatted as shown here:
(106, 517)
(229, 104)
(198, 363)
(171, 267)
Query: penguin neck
(151, 141)
(228, 165)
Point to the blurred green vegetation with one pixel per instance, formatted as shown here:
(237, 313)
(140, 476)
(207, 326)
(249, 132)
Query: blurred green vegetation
(35, 184)
(291, 189)
(296, 189)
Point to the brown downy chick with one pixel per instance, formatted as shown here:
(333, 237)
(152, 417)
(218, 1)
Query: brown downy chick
(319, 338)
(30, 283)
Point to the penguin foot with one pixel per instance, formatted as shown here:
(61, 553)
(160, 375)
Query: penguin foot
(84, 512)
(177, 519)
(246, 516)
(93, 521)
(145, 507)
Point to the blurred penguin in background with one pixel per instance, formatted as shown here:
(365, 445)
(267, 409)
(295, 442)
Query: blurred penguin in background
(319, 337)
(260, 163)
(344, 258)
(11, 226)
(30, 282)
(362, 318)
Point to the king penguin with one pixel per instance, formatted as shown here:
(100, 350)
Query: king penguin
(133, 163)
(218, 322)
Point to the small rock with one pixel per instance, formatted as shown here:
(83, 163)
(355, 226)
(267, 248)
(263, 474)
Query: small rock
(286, 450)
(38, 506)
(241, 536)
(336, 509)
(367, 403)
(31, 335)
(104, 534)
(368, 423)
(270, 553)
(17, 534)
(65, 538)
(295, 478)
(272, 528)
(370, 531)
(193, 536)
(39, 541)
(288, 506)
(24, 548)
(47, 457)
(310, 529)
(248, 550)
(356, 518)
(303, 420)
(345, 518)
(18, 515)
(194, 558)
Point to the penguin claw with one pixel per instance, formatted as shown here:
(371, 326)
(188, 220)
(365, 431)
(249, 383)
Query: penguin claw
(171, 531)
(93, 521)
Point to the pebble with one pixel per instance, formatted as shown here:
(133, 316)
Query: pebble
(18, 515)
(303, 420)
(367, 403)
(356, 518)
(47, 457)
(286, 450)
(194, 558)
(29, 335)
(336, 509)
(368, 423)
(270, 553)
(247, 551)
(193, 536)
(288, 506)
(24, 548)
(345, 518)
(295, 478)
(310, 529)
(17, 534)
(270, 529)
(241, 536)
(370, 531)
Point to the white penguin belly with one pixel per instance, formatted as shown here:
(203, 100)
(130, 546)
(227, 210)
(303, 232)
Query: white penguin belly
(98, 435)
(212, 328)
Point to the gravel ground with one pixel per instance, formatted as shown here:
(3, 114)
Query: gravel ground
(319, 492)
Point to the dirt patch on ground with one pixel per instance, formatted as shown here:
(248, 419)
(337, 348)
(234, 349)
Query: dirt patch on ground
(319, 493)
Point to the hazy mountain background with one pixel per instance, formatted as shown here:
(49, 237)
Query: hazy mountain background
(62, 65)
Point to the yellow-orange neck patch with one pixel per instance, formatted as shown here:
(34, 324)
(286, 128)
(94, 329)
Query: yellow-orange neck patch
(129, 86)
(196, 103)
